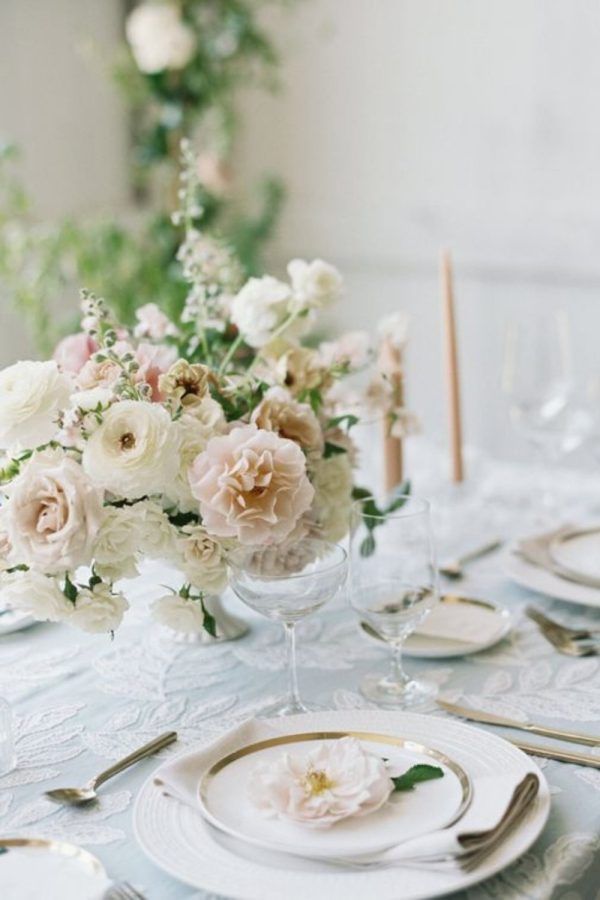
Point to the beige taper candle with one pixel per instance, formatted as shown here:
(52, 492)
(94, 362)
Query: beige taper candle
(452, 374)
(390, 364)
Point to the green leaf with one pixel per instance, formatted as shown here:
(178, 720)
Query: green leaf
(210, 623)
(416, 774)
(367, 547)
(348, 418)
(332, 450)
(70, 590)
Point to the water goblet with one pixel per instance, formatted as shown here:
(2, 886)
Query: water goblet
(287, 584)
(393, 586)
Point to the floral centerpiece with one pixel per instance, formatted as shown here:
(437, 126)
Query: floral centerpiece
(173, 441)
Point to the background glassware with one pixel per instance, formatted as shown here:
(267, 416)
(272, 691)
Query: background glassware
(538, 383)
(7, 741)
(287, 584)
(393, 586)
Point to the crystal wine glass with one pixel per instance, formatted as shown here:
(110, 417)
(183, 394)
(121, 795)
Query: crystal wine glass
(393, 587)
(287, 584)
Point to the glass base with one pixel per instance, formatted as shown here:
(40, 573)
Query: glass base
(287, 707)
(398, 694)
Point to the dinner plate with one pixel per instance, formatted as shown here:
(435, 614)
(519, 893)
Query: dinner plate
(433, 805)
(179, 840)
(578, 552)
(66, 872)
(423, 646)
(542, 581)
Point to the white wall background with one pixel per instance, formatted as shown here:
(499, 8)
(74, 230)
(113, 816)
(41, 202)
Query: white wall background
(405, 126)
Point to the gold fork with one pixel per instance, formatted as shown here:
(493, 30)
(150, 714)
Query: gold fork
(570, 641)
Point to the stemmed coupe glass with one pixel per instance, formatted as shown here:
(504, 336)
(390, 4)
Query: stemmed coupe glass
(288, 584)
(393, 587)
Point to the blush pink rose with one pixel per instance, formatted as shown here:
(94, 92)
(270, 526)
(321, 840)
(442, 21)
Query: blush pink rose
(154, 360)
(252, 485)
(72, 353)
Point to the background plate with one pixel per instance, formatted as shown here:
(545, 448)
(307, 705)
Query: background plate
(543, 582)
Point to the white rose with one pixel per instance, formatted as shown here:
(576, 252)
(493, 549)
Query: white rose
(98, 609)
(158, 535)
(395, 328)
(195, 429)
(260, 308)
(31, 395)
(53, 513)
(158, 37)
(134, 451)
(117, 546)
(332, 481)
(315, 284)
(37, 594)
(179, 613)
(201, 559)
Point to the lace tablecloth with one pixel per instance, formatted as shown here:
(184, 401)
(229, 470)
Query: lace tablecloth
(82, 701)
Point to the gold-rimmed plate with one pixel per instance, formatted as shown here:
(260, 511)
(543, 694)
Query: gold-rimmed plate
(67, 872)
(224, 800)
(462, 614)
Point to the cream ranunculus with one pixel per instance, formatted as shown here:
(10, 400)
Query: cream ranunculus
(53, 513)
(194, 433)
(336, 781)
(202, 559)
(260, 308)
(179, 613)
(315, 284)
(159, 38)
(251, 485)
(290, 419)
(301, 369)
(118, 543)
(134, 451)
(332, 480)
(98, 609)
(31, 396)
(36, 594)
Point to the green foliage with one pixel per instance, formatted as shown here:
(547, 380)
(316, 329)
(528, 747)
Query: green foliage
(415, 775)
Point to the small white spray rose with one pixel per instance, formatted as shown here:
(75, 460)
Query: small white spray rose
(332, 480)
(159, 38)
(36, 594)
(157, 537)
(98, 609)
(315, 284)
(202, 559)
(134, 451)
(31, 395)
(260, 308)
(117, 547)
(337, 780)
(179, 613)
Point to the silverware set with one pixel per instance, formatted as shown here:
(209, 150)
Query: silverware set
(122, 891)
(570, 641)
(455, 568)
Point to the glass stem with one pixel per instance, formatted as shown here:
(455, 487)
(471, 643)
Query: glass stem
(397, 674)
(290, 640)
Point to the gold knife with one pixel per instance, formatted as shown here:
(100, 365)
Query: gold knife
(568, 756)
(477, 715)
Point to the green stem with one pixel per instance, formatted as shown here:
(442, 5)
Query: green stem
(229, 355)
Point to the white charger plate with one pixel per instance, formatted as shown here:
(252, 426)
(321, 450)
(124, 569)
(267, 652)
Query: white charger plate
(15, 620)
(67, 872)
(179, 840)
(432, 805)
(578, 551)
(542, 581)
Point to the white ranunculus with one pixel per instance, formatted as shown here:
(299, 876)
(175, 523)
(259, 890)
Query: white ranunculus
(53, 513)
(98, 609)
(159, 38)
(195, 429)
(134, 451)
(315, 284)
(117, 547)
(260, 308)
(337, 780)
(36, 594)
(332, 481)
(179, 613)
(31, 396)
(157, 534)
(202, 559)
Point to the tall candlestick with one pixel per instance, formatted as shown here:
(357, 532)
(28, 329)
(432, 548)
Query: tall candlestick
(452, 375)
(390, 363)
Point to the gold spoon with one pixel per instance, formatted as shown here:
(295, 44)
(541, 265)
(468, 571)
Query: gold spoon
(78, 796)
